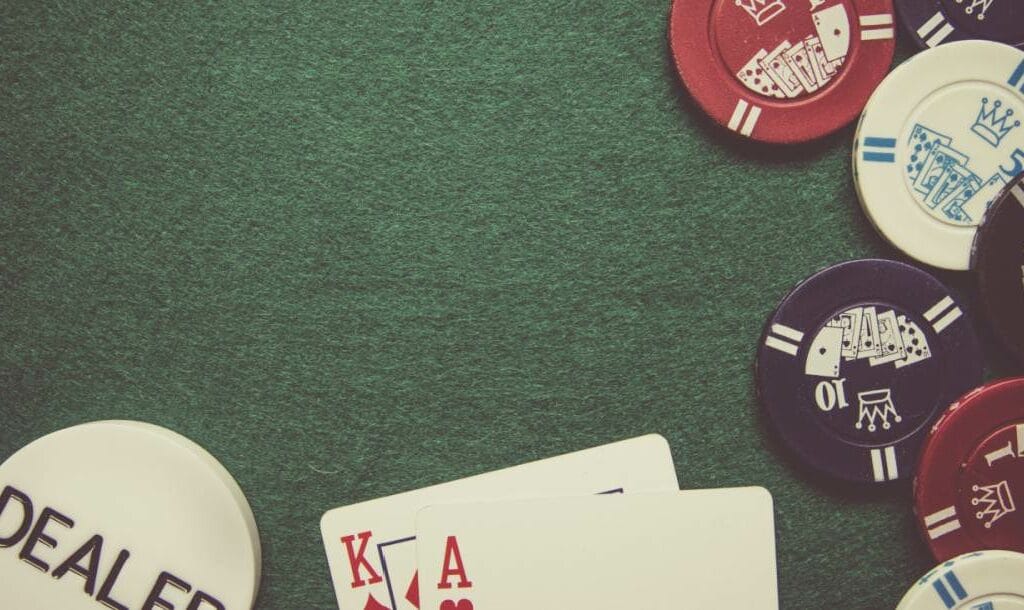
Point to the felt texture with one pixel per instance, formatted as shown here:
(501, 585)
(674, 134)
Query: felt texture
(356, 248)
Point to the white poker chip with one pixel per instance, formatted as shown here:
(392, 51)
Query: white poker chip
(938, 140)
(985, 580)
(124, 515)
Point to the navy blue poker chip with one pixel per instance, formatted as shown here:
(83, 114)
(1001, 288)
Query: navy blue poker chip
(998, 261)
(858, 361)
(933, 22)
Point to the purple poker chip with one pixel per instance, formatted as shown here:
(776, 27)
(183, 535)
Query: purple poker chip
(998, 261)
(857, 363)
(933, 22)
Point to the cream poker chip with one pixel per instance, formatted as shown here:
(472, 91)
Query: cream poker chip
(939, 139)
(983, 580)
(127, 516)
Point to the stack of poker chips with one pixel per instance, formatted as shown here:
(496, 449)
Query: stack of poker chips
(870, 370)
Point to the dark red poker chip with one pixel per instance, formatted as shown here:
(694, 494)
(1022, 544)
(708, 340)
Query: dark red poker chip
(998, 260)
(969, 489)
(781, 71)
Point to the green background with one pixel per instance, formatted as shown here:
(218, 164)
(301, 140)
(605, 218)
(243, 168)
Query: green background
(357, 248)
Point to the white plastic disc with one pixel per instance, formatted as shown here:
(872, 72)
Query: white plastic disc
(938, 139)
(124, 515)
(986, 580)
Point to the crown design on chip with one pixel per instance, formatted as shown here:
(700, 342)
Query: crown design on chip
(992, 126)
(975, 5)
(995, 502)
(875, 407)
(762, 11)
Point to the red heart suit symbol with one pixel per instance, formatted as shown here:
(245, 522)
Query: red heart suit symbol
(462, 604)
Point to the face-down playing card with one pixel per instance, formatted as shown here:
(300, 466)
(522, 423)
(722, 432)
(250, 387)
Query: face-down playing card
(668, 551)
(371, 546)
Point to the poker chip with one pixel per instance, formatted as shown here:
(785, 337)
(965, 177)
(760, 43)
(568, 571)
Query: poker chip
(782, 72)
(858, 361)
(123, 514)
(998, 260)
(969, 488)
(939, 139)
(984, 580)
(933, 22)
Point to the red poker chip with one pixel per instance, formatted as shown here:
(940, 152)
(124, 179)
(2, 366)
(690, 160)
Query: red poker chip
(969, 490)
(782, 71)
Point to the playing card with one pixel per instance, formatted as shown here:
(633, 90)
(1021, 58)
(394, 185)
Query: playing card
(976, 205)
(833, 27)
(825, 353)
(753, 76)
(371, 546)
(923, 141)
(956, 187)
(799, 61)
(935, 167)
(914, 341)
(849, 321)
(869, 346)
(889, 338)
(686, 550)
(824, 69)
(774, 65)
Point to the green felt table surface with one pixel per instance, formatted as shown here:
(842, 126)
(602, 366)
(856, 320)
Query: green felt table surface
(357, 248)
